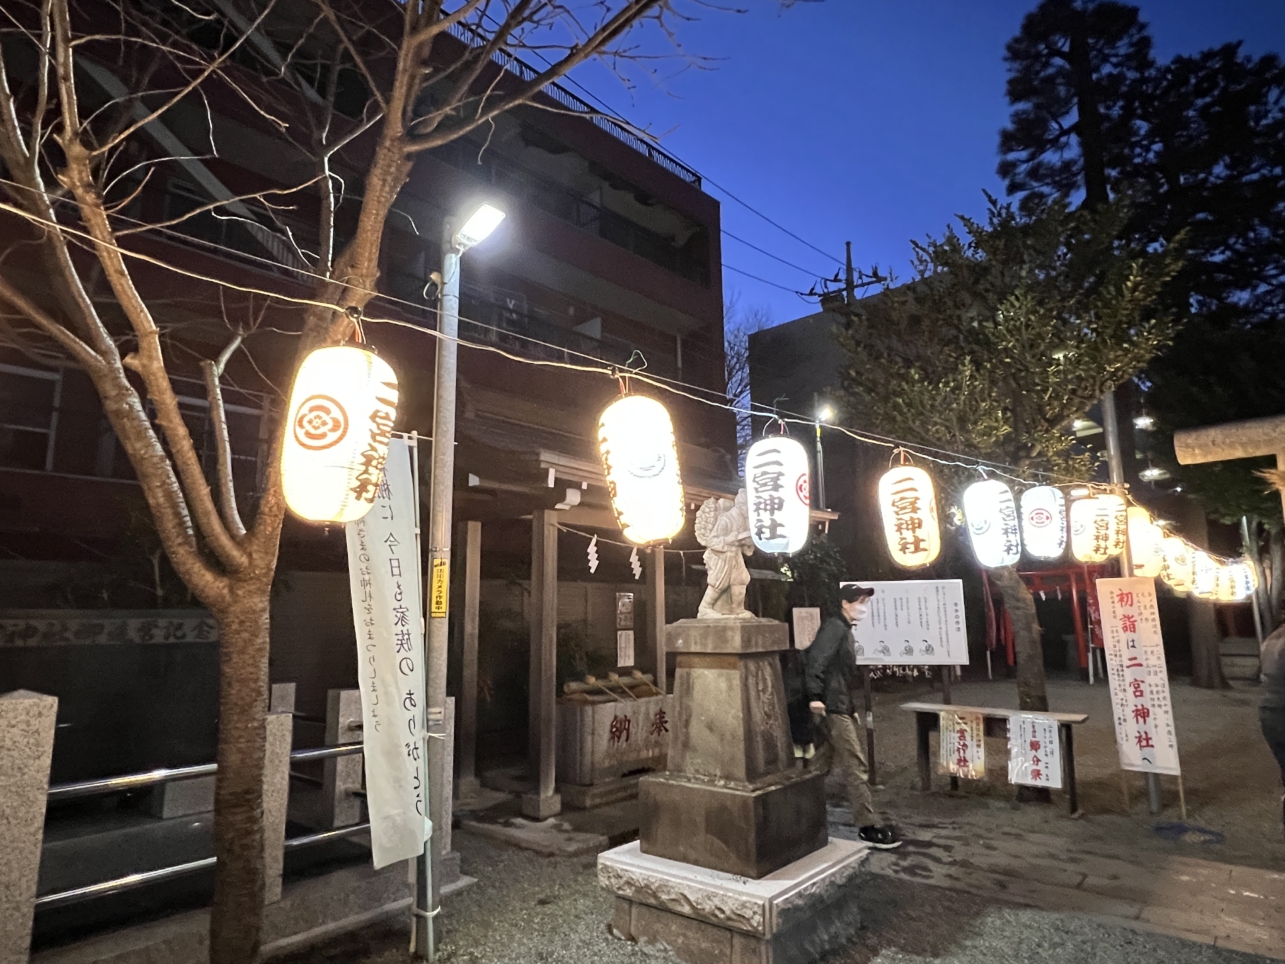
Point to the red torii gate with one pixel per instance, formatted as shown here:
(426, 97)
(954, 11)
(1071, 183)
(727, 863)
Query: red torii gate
(1075, 580)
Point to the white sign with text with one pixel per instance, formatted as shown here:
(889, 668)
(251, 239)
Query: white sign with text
(1034, 754)
(913, 622)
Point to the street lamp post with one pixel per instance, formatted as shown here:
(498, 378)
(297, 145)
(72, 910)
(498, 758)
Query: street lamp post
(477, 227)
(824, 414)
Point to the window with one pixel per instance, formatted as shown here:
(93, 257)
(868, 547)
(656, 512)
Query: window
(28, 416)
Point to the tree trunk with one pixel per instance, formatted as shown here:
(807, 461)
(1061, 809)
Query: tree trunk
(236, 917)
(1206, 660)
(1277, 594)
(1027, 639)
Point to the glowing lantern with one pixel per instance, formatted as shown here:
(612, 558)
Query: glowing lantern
(1205, 581)
(908, 504)
(1145, 548)
(1044, 522)
(1244, 579)
(1179, 566)
(1114, 510)
(1088, 540)
(640, 458)
(776, 482)
(991, 515)
(1225, 589)
(341, 414)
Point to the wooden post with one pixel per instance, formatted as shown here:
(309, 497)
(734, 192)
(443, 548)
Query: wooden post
(656, 613)
(542, 713)
(466, 782)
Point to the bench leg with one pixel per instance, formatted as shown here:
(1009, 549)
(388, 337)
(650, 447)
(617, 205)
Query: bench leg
(1068, 766)
(923, 722)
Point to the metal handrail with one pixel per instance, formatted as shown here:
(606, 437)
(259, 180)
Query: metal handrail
(131, 881)
(130, 781)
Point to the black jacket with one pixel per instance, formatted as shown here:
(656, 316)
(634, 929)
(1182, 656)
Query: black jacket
(832, 667)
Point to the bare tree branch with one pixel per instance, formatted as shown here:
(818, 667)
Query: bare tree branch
(212, 372)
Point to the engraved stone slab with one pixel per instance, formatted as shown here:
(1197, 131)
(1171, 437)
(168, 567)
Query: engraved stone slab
(761, 908)
(726, 636)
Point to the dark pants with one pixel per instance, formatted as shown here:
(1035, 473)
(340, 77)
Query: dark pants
(800, 722)
(1273, 720)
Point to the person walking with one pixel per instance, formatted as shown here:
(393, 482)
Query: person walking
(1271, 712)
(831, 677)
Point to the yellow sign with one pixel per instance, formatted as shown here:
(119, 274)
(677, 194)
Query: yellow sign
(440, 592)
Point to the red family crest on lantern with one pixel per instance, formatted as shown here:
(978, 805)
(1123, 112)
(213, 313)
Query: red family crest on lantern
(1044, 522)
(776, 483)
(908, 505)
(341, 413)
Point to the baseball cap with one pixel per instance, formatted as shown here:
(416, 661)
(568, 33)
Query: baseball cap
(854, 592)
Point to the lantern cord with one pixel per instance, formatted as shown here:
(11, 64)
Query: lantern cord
(626, 545)
(354, 312)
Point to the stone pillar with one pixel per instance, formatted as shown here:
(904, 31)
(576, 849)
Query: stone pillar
(27, 723)
(276, 798)
(732, 798)
(466, 745)
(332, 803)
(281, 699)
(542, 713)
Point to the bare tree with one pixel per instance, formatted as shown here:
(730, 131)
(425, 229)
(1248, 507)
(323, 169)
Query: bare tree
(86, 89)
(738, 324)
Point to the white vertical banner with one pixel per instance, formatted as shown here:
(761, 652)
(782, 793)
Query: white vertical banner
(1135, 651)
(963, 744)
(1034, 753)
(383, 572)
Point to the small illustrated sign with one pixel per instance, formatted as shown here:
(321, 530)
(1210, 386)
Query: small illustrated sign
(913, 622)
(807, 623)
(624, 610)
(963, 745)
(441, 588)
(1144, 730)
(1034, 754)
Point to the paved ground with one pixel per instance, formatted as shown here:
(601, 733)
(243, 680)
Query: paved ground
(528, 909)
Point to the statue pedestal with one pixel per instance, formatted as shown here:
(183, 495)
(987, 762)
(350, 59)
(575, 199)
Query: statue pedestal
(732, 799)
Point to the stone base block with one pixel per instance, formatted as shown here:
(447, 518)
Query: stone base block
(794, 915)
(541, 808)
(746, 832)
(577, 797)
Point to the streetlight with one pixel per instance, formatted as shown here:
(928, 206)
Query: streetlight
(477, 228)
(823, 414)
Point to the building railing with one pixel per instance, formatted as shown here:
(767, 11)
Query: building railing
(573, 103)
(132, 781)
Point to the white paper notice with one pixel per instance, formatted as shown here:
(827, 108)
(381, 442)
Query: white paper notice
(913, 622)
(624, 647)
(963, 744)
(384, 574)
(1034, 753)
(1135, 651)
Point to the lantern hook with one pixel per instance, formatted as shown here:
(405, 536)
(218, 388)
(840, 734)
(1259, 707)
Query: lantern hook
(900, 453)
(355, 316)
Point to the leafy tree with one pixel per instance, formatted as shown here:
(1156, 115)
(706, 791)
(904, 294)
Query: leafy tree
(1198, 145)
(1005, 336)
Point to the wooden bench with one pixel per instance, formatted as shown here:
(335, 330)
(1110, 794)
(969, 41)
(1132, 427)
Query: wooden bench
(996, 721)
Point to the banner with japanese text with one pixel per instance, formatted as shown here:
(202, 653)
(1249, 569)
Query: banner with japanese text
(1135, 652)
(912, 622)
(1034, 753)
(963, 744)
(383, 572)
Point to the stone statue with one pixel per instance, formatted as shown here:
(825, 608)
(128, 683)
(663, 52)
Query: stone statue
(723, 528)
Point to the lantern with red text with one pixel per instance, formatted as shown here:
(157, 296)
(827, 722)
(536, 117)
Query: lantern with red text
(991, 515)
(908, 505)
(776, 488)
(1044, 522)
(1145, 548)
(340, 417)
(640, 459)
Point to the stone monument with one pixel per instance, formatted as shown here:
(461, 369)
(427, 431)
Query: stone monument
(733, 862)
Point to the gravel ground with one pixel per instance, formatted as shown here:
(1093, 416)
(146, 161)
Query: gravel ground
(527, 909)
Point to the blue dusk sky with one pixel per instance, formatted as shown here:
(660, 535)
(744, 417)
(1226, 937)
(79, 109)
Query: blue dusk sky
(870, 121)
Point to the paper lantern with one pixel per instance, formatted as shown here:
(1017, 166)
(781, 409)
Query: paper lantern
(640, 458)
(1145, 549)
(1225, 589)
(1205, 579)
(1116, 513)
(1044, 522)
(341, 414)
(776, 488)
(908, 505)
(1244, 579)
(1179, 565)
(1089, 540)
(991, 515)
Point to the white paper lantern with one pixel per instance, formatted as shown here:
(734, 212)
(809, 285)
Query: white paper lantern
(1244, 579)
(640, 458)
(1225, 589)
(341, 414)
(1205, 579)
(1145, 549)
(991, 515)
(776, 489)
(908, 506)
(1179, 569)
(1088, 544)
(1044, 522)
(1116, 513)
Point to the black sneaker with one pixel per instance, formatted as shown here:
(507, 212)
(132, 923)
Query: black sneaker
(880, 838)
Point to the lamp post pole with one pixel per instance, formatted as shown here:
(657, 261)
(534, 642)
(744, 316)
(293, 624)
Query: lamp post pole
(820, 469)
